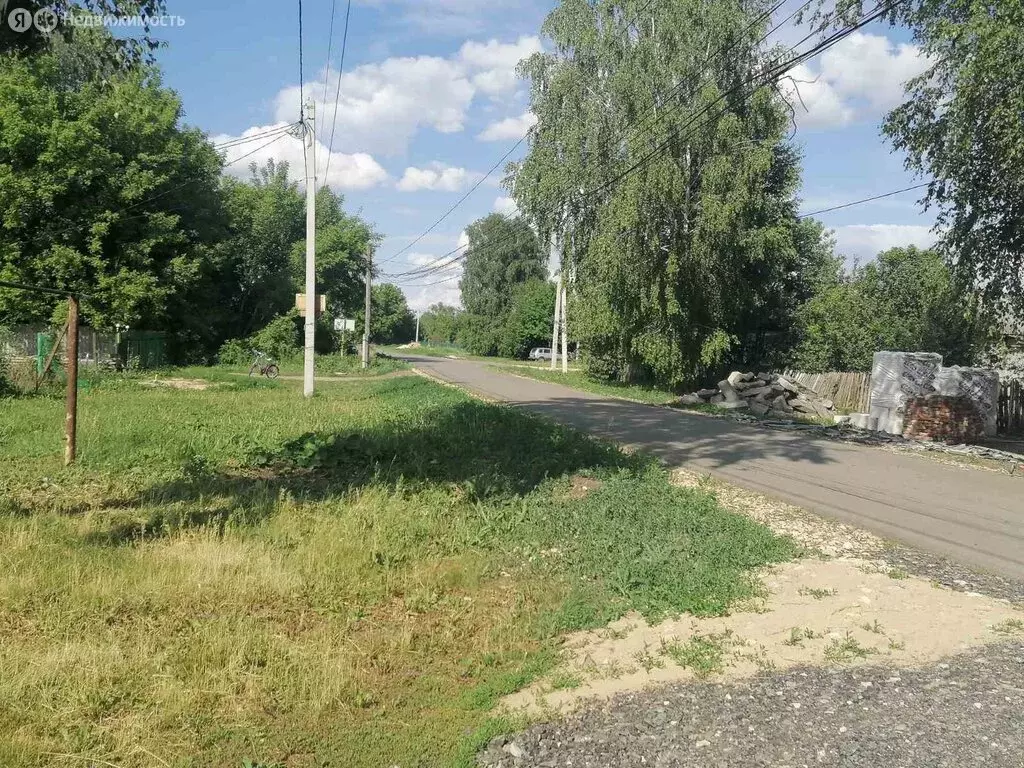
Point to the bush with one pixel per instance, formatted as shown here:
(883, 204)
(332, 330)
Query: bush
(234, 352)
(280, 337)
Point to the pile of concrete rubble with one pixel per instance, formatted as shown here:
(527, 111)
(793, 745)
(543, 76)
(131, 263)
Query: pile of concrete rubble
(769, 395)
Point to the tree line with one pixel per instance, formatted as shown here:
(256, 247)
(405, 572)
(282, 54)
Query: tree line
(670, 195)
(105, 192)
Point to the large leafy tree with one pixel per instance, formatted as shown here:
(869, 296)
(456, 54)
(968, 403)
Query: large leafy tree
(391, 320)
(103, 191)
(905, 300)
(528, 322)
(668, 187)
(439, 323)
(123, 51)
(503, 253)
(962, 128)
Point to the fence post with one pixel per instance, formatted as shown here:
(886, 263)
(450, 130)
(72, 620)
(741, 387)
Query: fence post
(71, 410)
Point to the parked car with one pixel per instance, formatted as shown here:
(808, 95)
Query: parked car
(540, 353)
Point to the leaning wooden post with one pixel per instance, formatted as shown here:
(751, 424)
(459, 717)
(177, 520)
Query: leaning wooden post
(71, 411)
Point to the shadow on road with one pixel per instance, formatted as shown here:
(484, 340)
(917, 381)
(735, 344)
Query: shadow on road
(681, 438)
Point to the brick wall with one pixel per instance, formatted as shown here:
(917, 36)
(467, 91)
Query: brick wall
(944, 418)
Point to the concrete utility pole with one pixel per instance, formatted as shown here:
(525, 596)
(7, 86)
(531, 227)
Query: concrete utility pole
(309, 362)
(366, 324)
(71, 410)
(565, 326)
(558, 320)
(418, 316)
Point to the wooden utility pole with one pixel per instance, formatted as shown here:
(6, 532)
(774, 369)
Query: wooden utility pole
(555, 326)
(366, 324)
(71, 408)
(309, 352)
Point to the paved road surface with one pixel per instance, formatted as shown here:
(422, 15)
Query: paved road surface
(974, 516)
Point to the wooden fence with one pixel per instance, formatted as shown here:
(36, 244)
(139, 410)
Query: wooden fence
(849, 390)
(1011, 408)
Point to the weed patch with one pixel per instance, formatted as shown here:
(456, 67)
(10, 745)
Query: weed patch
(237, 573)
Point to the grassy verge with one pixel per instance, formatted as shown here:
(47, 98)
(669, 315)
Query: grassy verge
(579, 380)
(355, 580)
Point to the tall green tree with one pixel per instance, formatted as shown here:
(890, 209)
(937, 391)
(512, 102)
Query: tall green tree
(905, 300)
(529, 319)
(103, 191)
(439, 324)
(391, 320)
(503, 253)
(962, 129)
(669, 190)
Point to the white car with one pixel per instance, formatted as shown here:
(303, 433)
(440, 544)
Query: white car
(540, 353)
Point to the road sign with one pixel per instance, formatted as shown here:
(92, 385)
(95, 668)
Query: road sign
(300, 304)
(344, 324)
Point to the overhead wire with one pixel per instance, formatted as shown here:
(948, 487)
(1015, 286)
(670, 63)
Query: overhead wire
(337, 93)
(773, 74)
(227, 144)
(865, 200)
(635, 129)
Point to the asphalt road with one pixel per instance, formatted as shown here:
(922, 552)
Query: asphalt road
(970, 515)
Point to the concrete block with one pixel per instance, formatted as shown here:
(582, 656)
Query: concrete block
(898, 376)
(730, 405)
(759, 407)
(691, 400)
(979, 385)
(730, 394)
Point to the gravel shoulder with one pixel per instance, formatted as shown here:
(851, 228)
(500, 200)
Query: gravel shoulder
(967, 710)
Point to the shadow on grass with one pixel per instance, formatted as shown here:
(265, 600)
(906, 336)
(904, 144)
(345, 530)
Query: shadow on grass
(489, 453)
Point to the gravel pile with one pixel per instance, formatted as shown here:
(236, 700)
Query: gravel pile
(965, 711)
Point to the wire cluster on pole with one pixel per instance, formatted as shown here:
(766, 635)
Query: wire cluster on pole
(770, 76)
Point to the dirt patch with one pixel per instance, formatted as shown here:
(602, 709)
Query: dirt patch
(580, 487)
(193, 384)
(817, 612)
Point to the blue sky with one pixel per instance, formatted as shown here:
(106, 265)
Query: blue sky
(429, 102)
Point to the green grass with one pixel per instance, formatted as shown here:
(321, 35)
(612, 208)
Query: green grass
(355, 580)
(579, 380)
(846, 650)
(703, 654)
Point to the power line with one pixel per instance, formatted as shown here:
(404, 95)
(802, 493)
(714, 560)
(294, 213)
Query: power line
(865, 200)
(337, 93)
(254, 137)
(632, 132)
(772, 75)
(302, 73)
(459, 202)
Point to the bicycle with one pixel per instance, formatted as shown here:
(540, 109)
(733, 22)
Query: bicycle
(269, 369)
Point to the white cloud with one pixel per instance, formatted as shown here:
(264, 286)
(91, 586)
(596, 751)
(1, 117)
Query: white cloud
(381, 106)
(506, 206)
(437, 176)
(452, 18)
(440, 286)
(816, 102)
(863, 242)
(860, 78)
(347, 171)
(509, 129)
(493, 64)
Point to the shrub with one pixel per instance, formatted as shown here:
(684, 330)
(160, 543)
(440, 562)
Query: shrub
(280, 337)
